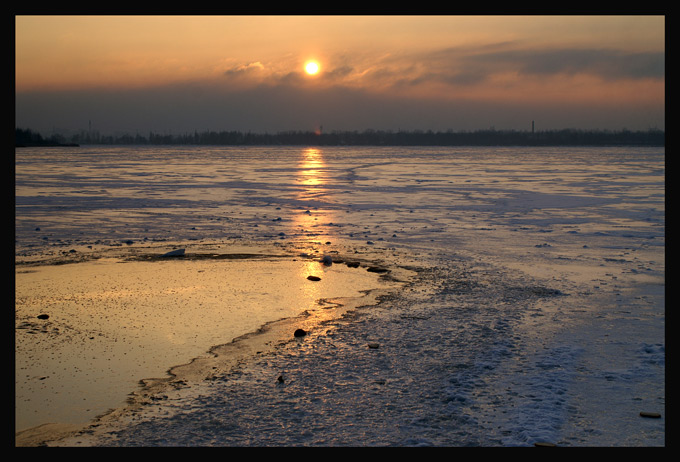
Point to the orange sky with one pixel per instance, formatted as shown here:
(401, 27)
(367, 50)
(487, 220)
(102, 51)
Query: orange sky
(600, 61)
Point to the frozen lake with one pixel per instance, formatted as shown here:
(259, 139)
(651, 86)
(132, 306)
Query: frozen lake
(535, 313)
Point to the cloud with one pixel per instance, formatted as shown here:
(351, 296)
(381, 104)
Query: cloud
(463, 88)
(338, 73)
(245, 69)
(179, 109)
(607, 64)
(454, 72)
(604, 63)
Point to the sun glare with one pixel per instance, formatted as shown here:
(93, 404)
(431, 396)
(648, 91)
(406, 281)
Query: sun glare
(312, 67)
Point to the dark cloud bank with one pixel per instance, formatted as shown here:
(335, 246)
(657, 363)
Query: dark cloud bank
(283, 104)
(179, 110)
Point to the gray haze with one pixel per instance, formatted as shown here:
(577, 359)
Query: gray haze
(179, 109)
(251, 97)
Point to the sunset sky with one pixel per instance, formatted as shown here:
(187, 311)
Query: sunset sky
(177, 74)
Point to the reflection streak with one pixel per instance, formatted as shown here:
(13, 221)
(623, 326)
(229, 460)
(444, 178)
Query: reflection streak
(310, 223)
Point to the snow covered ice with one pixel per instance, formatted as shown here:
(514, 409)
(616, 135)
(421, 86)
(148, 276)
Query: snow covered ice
(533, 310)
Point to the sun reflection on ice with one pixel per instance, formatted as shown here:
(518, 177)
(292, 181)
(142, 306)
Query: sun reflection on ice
(312, 223)
(311, 288)
(310, 169)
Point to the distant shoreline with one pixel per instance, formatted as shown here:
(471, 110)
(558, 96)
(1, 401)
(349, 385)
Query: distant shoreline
(491, 137)
(47, 145)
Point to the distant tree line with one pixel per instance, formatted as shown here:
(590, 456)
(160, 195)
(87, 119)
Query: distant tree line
(27, 137)
(491, 137)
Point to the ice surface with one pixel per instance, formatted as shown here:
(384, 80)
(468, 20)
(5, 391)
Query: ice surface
(113, 322)
(537, 313)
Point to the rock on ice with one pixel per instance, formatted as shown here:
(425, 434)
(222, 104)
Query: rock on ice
(174, 253)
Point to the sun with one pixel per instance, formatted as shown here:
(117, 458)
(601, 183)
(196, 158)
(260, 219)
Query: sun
(311, 67)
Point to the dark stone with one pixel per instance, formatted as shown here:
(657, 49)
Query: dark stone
(43, 316)
(299, 333)
(314, 278)
(544, 291)
(353, 264)
(174, 253)
(376, 269)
